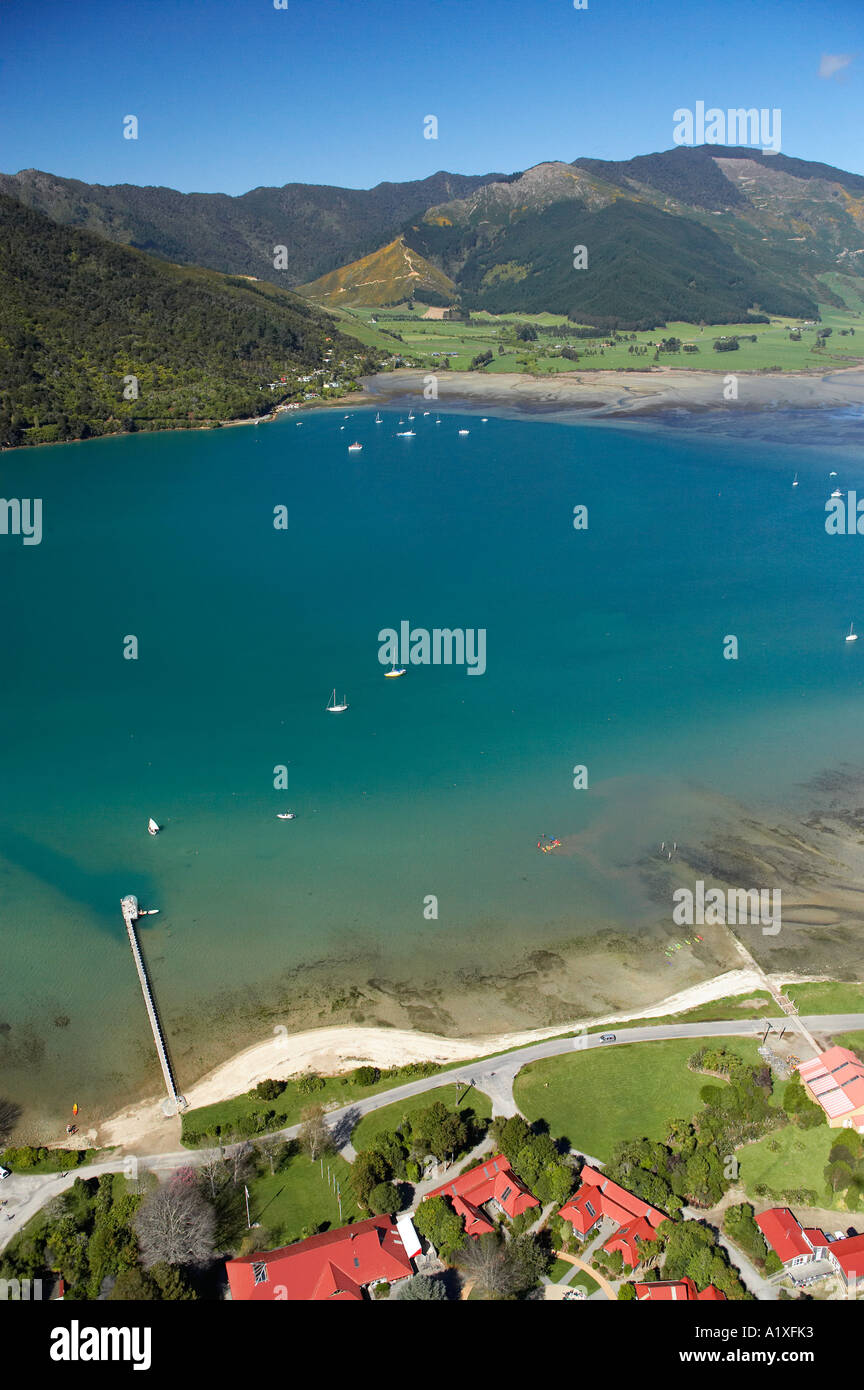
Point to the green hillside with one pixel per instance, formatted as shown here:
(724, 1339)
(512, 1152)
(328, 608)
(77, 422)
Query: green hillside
(644, 268)
(78, 314)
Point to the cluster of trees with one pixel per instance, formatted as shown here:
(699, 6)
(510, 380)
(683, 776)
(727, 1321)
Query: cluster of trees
(497, 1264)
(543, 1165)
(688, 1248)
(107, 1242)
(393, 1158)
(694, 1163)
(844, 1171)
(726, 344)
(481, 360)
(29, 1157)
(739, 1224)
(81, 316)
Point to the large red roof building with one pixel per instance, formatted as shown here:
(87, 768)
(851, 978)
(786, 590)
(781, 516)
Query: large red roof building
(835, 1080)
(798, 1245)
(599, 1196)
(492, 1182)
(677, 1291)
(335, 1266)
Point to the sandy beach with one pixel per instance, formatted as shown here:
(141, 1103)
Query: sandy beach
(630, 393)
(331, 1051)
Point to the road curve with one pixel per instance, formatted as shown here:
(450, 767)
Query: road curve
(494, 1076)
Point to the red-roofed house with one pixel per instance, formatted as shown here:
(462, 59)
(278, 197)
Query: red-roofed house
(796, 1245)
(786, 1237)
(492, 1182)
(599, 1196)
(334, 1266)
(835, 1080)
(677, 1291)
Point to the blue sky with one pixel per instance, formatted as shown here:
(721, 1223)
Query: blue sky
(232, 94)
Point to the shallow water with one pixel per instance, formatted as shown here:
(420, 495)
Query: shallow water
(604, 649)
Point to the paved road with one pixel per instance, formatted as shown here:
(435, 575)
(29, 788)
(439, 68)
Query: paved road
(494, 1077)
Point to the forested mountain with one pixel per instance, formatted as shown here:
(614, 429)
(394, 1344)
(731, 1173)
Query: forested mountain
(80, 316)
(321, 227)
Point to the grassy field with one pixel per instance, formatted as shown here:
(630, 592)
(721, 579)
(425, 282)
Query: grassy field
(829, 998)
(301, 1198)
(796, 1160)
(223, 1116)
(421, 339)
(599, 1097)
(390, 1116)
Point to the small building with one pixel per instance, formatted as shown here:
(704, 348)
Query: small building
(677, 1291)
(492, 1184)
(835, 1080)
(335, 1266)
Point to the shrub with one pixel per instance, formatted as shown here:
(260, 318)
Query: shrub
(309, 1083)
(270, 1089)
(365, 1076)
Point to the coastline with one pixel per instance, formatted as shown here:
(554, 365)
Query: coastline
(631, 394)
(334, 1050)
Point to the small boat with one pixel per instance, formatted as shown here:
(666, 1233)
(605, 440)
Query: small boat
(285, 815)
(75, 1108)
(484, 419)
(852, 635)
(464, 431)
(795, 481)
(836, 492)
(354, 448)
(401, 422)
(332, 706)
(378, 420)
(438, 421)
(425, 413)
(153, 827)
(405, 434)
(394, 672)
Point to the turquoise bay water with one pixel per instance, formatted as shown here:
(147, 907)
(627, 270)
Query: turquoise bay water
(604, 648)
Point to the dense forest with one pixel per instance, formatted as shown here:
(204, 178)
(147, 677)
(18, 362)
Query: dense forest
(86, 324)
(646, 268)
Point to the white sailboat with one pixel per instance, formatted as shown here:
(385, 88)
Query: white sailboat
(394, 672)
(332, 707)
(410, 415)
(285, 815)
(355, 447)
(463, 431)
(795, 481)
(405, 434)
(153, 827)
(378, 420)
(852, 635)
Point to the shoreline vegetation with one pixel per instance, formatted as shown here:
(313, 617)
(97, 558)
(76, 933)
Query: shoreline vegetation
(625, 393)
(337, 1050)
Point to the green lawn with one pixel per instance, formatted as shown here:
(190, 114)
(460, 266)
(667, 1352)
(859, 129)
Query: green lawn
(854, 1041)
(581, 1280)
(299, 1197)
(773, 347)
(797, 1161)
(390, 1116)
(223, 1117)
(599, 1097)
(830, 998)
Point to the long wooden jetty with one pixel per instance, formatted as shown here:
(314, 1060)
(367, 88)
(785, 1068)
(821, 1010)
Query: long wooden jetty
(129, 905)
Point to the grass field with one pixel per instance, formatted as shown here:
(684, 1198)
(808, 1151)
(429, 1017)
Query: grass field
(829, 998)
(422, 338)
(390, 1116)
(597, 1098)
(224, 1115)
(300, 1197)
(797, 1160)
